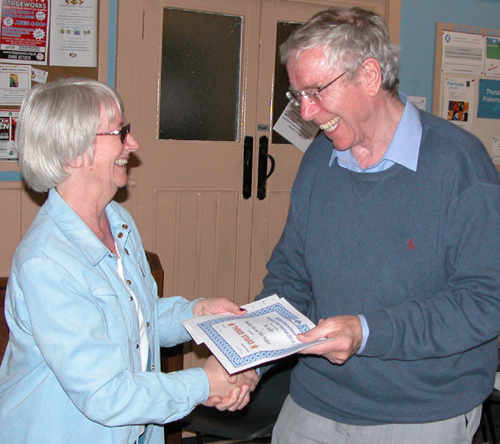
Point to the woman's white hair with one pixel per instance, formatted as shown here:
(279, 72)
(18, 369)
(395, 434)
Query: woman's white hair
(57, 123)
(348, 37)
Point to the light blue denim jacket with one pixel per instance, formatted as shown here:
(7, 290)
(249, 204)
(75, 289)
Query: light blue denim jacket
(71, 371)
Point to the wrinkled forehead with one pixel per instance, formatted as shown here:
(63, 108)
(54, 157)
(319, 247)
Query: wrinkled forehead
(308, 68)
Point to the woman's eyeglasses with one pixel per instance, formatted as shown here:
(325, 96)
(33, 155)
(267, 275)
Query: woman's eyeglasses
(122, 133)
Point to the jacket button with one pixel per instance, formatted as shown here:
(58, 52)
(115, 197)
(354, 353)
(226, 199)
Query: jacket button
(136, 345)
(147, 324)
(120, 235)
(131, 298)
(152, 367)
(129, 282)
(124, 226)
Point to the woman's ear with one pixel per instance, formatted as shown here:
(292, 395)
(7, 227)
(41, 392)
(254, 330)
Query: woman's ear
(78, 162)
(372, 75)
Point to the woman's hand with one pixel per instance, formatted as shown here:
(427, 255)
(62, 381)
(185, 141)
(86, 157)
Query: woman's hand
(228, 392)
(217, 305)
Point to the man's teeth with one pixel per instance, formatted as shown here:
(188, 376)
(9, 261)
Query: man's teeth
(121, 162)
(331, 125)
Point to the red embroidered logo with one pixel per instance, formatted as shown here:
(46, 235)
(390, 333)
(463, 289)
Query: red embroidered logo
(411, 245)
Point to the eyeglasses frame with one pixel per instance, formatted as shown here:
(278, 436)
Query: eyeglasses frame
(294, 96)
(122, 132)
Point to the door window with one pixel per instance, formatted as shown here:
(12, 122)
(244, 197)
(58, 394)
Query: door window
(200, 71)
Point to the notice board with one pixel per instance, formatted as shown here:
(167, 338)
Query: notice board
(467, 81)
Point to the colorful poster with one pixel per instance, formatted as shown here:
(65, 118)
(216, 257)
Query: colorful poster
(8, 123)
(15, 82)
(492, 61)
(73, 33)
(458, 96)
(489, 99)
(24, 31)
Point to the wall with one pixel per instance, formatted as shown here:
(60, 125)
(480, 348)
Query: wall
(418, 31)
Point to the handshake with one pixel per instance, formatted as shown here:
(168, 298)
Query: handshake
(227, 392)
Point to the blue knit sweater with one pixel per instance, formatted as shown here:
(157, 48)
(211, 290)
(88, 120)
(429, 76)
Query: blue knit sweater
(418, 254)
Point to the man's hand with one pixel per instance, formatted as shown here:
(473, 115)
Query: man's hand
(215, 306)
(228, 392)
(347, 335)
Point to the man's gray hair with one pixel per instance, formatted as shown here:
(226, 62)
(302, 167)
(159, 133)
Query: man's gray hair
(57, 123)
(348, 37)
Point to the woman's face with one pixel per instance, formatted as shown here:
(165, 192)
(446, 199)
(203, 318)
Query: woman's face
(109, 168)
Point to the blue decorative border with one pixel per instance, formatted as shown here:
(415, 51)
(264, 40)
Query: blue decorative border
(232, 355)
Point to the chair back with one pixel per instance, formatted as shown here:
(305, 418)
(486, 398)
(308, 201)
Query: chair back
(4, 331)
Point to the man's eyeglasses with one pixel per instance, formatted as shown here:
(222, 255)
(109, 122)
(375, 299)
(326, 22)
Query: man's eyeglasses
(122, 133)
(312, 95)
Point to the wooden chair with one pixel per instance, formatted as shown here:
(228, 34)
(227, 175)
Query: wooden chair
(171, 359)
(4, 331)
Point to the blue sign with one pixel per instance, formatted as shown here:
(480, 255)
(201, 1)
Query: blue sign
(489, 99)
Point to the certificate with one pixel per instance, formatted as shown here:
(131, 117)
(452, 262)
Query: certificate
(268, 331)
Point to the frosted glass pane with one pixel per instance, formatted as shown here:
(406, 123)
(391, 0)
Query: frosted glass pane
(200, 73)
(281, 83)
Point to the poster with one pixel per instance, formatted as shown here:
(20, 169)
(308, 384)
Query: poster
(463, 53)
(8, 123)
(495, 150)
(488, 105)
(24, 32)
(492, 60)
(73, 33)
(458, 97)
(15, 82)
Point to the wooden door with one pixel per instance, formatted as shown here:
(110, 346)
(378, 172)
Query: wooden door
(198, 79)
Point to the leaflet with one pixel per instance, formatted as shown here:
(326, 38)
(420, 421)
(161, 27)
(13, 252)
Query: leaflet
(268, 331)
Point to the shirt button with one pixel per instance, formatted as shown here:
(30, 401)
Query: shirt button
(131, 298)
(152, 367)
(147, 324)
(136, 345)
(124, 226)
(120, 235)
(129, 282)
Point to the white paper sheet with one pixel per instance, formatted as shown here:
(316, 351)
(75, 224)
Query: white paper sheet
(268, 331)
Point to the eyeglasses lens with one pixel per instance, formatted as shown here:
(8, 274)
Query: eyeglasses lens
(124, 131)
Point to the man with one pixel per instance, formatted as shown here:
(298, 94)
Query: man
(392, 247)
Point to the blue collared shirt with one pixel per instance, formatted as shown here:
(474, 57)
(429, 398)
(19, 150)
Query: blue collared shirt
(403, 149)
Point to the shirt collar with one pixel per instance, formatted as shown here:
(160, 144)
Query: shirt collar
(403, 149)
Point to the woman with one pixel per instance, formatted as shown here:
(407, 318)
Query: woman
(82, 363)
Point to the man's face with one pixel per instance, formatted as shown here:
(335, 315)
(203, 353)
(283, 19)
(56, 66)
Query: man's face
(340, 111)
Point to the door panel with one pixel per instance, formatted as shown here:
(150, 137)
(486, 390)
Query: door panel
(186, 195)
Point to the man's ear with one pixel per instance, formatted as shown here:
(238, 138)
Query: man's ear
(371, 73)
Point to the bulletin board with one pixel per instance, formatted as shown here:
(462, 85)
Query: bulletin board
(467, 81)
(26, 58)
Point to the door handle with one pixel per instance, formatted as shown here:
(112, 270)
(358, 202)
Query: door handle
(263, 175)
(247, 167)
